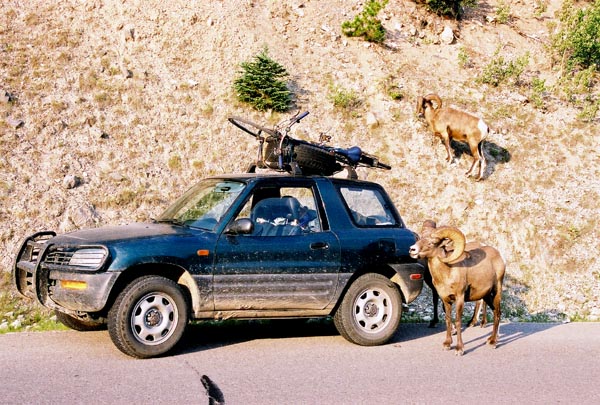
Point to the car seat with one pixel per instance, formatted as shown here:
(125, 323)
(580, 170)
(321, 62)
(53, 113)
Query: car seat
(273, 217)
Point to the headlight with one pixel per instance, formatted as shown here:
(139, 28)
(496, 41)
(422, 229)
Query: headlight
(89, 257)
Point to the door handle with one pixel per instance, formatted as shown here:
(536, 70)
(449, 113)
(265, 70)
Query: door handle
(319, 245)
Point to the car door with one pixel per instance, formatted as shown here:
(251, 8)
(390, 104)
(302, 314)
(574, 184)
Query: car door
(280, 270)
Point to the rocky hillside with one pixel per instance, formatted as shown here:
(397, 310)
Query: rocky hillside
(110, 109)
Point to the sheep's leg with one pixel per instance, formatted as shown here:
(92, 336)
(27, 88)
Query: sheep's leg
(476, 160)
(436, 319)
(483, 313)
(482, 162)
(475, 317)
(436, 298)
(493, 339)
(449, 324)
(480, 308)
(446, 139)
(460, 305)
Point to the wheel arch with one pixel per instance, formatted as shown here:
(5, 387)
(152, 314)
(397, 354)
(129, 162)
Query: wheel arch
(170, 271)
(384, 270)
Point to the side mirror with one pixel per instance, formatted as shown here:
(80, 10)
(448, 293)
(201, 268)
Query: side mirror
(242, 226)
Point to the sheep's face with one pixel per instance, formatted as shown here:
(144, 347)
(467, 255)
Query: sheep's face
(429, 246)
(420, 103)
(425, 248)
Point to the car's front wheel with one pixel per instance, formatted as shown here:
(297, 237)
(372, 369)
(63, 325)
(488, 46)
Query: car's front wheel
(370, 311)
(148, 317)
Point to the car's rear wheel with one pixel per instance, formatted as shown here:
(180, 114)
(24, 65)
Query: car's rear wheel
(81, 325)
(370, 311)
(148, 317)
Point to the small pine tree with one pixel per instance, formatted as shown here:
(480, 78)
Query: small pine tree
(262, 84)
(366, 23)
(453, 8)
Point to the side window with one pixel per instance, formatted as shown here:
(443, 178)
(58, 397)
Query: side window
(284, 211)
(367, 206)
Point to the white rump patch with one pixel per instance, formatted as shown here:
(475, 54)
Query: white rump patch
(483, 128)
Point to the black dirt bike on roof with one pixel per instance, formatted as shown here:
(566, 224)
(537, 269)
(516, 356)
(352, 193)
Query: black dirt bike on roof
(277, 150)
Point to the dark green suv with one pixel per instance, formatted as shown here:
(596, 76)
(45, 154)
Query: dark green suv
(238, 246)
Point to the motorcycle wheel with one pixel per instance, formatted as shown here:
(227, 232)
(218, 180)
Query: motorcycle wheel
(315, 161)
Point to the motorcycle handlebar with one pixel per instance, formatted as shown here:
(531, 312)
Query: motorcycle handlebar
(302, 115)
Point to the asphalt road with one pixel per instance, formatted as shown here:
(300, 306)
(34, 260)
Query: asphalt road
(299, 362)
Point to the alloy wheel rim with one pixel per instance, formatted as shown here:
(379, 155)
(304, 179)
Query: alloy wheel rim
(372, 310)
(154, 318)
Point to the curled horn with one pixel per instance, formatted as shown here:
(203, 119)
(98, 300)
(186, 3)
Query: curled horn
(457, 238)
(434, 97)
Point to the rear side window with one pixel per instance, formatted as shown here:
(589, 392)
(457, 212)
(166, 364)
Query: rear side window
(367, 207)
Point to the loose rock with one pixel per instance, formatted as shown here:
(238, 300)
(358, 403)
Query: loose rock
(447, 36)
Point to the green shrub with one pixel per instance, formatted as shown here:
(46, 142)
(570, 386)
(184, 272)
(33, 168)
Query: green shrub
(343, 99)
(578, 89)
(391, 88)
(453, 8)
(499, 70)
(538, 88)
(366, 24)
(578, 83)
(463, 58)
(262, 84)
(503, 12)
(541, 6)
(575, 44)
(590, 110)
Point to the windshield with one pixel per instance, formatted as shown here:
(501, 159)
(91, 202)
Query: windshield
(205, 204)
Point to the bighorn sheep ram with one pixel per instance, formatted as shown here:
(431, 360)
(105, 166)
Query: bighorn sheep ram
(460, 275)
(428, 227)
(449, 123)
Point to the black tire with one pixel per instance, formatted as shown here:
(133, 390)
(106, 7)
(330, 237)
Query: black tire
(315, 161)
(370, 311)
(148, 317)
(80, 325)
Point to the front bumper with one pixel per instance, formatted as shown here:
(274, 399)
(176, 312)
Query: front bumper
(59, 286)
(78, 292)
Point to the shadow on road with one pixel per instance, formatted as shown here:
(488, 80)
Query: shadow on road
(207, 335)
(476, 337)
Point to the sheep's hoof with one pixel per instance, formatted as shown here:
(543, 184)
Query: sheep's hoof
(446, 347)
(459, 352)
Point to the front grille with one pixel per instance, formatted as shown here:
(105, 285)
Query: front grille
(58, 257)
